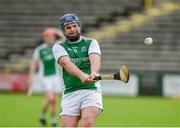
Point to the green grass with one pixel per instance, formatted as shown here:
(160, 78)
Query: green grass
(19, 110)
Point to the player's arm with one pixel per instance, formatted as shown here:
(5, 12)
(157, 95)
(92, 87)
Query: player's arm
(33, 66)
(63, 59)
(95, 58)
(59, 34)
(95, 61)
(71, 68)
(32, 69)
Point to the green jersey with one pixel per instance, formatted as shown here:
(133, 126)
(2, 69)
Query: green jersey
(47, 64)
(79, 54)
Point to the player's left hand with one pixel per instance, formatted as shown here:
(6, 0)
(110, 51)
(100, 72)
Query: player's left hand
(92, 76)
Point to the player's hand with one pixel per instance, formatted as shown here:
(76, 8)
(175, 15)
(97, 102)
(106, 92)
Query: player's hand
(85, 78)
(29, 92)
(59, 33)
(93, 74)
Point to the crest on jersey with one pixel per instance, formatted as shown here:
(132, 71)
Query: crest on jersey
(83, 49)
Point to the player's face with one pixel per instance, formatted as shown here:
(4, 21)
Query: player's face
(72, 30)
(49, 39)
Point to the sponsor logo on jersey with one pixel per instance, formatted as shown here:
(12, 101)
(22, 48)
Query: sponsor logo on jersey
(78, 60)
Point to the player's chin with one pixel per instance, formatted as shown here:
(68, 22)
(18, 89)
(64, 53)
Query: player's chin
(73, 37)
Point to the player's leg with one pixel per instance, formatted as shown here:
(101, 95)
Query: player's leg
(45, 103)
(88, 116)
(49, 101)
(91, 106)
(54, 90)
(70, 109)
(52, 102)
(69, 121)
(45, 106)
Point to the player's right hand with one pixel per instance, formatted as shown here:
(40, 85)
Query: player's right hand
(29, 92)
(85, 78)
(93, 75)
(29, 81)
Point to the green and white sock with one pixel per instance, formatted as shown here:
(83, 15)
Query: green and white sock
(53, 120)
(43, 115)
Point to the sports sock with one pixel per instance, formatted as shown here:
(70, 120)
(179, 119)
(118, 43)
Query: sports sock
(53, 119)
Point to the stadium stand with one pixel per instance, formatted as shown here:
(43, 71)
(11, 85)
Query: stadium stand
(128, 48)
(23, 21)
(124, 45)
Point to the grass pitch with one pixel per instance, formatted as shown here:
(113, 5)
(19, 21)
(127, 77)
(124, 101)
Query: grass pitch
(20, 110)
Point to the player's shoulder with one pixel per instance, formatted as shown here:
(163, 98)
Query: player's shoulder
(89, 39)
(41, 46)
(58, 42)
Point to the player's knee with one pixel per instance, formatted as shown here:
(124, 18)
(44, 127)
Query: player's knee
(87, 121)
(52, 100)
(69, 122)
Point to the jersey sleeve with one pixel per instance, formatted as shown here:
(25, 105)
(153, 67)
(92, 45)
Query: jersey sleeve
(59, 52)
(35, 54)
(94, 48)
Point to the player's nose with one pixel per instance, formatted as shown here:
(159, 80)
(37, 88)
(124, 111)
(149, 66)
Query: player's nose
(73, 29)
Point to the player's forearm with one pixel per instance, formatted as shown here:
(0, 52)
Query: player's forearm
(70, 67)
(95, 61)
(32, 68)
(95, 67)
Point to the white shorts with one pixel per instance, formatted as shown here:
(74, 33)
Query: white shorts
(73, 102)
(52, 84)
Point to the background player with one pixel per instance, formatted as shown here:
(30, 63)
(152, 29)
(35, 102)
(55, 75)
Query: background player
(49, 72)
(80, 59)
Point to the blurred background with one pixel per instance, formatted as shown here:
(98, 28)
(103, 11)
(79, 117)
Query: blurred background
(151, 98)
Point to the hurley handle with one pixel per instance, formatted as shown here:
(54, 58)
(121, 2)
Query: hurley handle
(97, 78)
